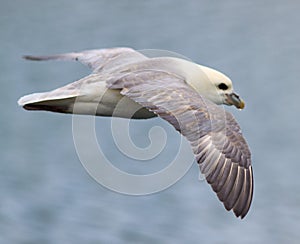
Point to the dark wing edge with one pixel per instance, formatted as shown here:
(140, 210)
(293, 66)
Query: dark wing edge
(217, 142)
(92, 58)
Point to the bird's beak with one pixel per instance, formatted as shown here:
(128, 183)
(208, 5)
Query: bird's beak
(234, 99)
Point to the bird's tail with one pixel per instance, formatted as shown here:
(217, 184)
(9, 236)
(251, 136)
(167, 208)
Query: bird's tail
(49, 101)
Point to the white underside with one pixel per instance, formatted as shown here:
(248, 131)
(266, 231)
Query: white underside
(97, 100)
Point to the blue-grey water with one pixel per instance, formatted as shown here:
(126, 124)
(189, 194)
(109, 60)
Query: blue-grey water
(46, 196)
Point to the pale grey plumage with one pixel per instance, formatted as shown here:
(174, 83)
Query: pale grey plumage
(157, 85)
(214, 135)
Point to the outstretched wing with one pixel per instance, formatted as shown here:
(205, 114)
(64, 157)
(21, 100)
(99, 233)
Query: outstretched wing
(216, 139)
(95, 59)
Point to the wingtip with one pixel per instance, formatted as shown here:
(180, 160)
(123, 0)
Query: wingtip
(239, 214)
(33, 58)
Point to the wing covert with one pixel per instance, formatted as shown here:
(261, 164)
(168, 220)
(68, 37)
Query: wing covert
(216, 139)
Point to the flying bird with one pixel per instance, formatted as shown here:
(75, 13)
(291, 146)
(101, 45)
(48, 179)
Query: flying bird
(126, 83)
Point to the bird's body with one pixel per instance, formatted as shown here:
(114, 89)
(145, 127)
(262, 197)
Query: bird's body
(92, 91)
(127, 84)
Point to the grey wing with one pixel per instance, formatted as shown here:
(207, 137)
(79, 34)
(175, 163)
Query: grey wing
(217, 142)
(95, 59)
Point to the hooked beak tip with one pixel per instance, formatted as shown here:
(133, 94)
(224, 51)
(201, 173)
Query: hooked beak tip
(234, 99)
(241, 105)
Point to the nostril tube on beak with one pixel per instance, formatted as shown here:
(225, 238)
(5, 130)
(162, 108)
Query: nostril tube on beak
(234, 99)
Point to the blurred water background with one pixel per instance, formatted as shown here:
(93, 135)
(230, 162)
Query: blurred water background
(48, 197)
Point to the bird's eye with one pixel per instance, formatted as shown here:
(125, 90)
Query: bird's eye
(223, 86)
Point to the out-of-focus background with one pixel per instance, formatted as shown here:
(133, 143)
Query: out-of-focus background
(46, 194)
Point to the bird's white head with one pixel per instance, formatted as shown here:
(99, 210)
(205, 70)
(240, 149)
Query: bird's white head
(216, 87)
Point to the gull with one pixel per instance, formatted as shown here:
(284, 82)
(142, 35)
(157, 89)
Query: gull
(125, 83)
